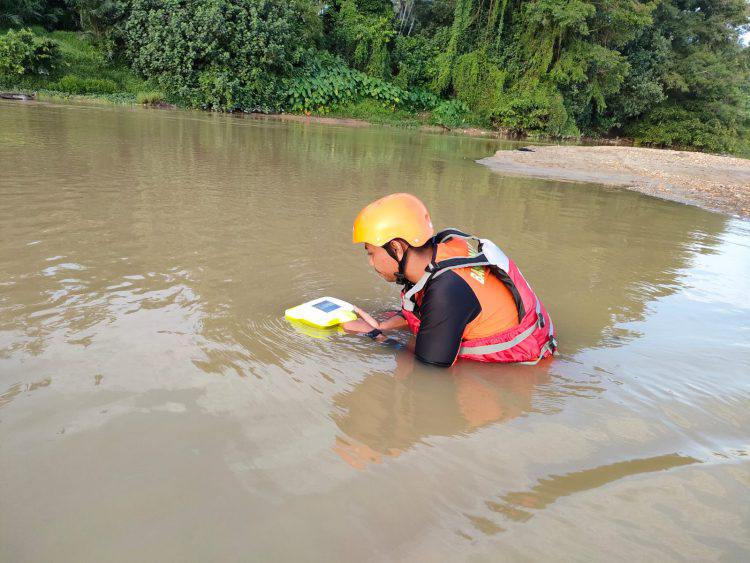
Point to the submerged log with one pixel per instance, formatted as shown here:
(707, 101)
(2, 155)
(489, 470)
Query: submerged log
(23, 96)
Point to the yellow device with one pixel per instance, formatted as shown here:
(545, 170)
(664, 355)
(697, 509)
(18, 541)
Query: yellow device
(322, 312)
(314, 331)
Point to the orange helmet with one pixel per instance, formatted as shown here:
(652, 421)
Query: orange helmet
(395, 216)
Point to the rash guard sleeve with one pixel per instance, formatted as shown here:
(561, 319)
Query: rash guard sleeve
(448, 305)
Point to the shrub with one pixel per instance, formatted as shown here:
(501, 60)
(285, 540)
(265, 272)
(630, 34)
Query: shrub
(420, 100)
(151, 97)
(478, 82)
(415, 59)
(328, 83)
(103, 21)
(22, 53)
(539, 109)
(450, 113)
(82, 57)
(49, 13)
(325, 88)
(73, 84)
(20, 12)
(670, 125)
(221, 90)
(220, 54)
(364, 40)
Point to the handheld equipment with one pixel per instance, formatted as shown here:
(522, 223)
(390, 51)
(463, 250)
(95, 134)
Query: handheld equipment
(322, 312)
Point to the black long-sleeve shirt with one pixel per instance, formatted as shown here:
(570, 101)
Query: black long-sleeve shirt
(448, 305)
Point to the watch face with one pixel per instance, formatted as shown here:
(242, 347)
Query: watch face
(326, 306)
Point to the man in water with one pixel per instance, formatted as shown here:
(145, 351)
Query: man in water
(462, 297)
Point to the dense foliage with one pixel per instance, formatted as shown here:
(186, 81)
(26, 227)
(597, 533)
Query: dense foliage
(220, 54)
(22, 53)
(664, 72)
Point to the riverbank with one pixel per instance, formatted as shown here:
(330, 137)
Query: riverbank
(422, 125)
(339, 117)
(713, 182)
(81, 72)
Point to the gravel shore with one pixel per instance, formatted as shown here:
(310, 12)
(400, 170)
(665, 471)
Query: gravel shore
(717, 183)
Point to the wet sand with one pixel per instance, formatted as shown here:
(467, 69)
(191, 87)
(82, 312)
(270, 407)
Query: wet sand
(716, 183)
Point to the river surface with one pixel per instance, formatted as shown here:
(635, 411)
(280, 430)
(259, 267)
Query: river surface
(156, 406)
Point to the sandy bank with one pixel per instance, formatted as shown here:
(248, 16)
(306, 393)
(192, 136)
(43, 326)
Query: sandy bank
(718, 183)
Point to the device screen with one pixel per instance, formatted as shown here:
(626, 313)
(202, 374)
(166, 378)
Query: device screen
(326, 306)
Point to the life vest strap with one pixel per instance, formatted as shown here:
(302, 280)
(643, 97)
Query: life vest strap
(549, 346)
(407, 301)
(504, 277)
(546, 348)
(461, 262)
(447, 234)
(434, 270)
(498, 266)
(499, 347)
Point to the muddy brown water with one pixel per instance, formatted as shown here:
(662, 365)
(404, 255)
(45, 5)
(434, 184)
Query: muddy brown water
(155, 406)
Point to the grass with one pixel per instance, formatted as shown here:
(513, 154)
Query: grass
(374, 112)
(85, 74)
(77, 85)
(150, 97)
(120, 98)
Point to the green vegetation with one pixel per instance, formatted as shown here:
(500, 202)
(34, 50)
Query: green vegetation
(77, 67)
(328, 83)
(150, 97)
(77, 85)
(220, 54)
(663, 72)
(23, 54)
(374, 112)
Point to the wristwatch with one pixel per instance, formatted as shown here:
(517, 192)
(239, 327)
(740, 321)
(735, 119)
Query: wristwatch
(374, 333)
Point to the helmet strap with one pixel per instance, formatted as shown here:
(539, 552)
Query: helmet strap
(400, 276)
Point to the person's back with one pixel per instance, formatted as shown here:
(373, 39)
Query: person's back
(461, 304)
(498, 309)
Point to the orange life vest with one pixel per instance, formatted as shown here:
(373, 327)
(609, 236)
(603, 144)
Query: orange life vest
(513, 326)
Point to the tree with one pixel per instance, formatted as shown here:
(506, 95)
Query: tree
(703, 74)
(49, 13)
(220, 54)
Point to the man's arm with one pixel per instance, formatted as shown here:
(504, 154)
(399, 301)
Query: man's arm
(366, 322)
(396, 322)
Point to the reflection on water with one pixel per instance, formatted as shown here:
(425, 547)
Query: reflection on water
(18, 388)
(519, 505)
(147, 377)
(389, 412)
